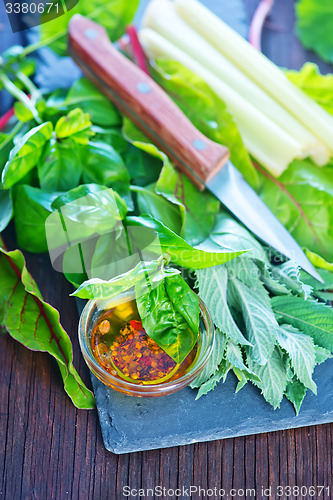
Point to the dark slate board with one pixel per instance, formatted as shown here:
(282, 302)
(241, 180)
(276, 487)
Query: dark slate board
(134, 424)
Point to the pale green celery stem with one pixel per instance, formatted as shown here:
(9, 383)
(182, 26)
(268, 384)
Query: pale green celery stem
(259, 68)
(162, 17)
(19, 95)
(265, 140)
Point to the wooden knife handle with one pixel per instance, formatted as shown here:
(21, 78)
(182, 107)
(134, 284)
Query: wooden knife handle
(144, 102)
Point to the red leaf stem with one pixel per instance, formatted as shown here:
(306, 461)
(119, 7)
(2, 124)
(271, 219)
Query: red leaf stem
(137, 49)
(261, 13)
(5, 118)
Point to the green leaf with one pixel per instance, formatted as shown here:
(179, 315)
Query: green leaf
(6, 209)
(155, 205)
(143, 274)
(318, 261)
(164, 317)
(211, 383)
(22, 112)
(295, 392)
(212, 284)
(311, 317)
(85, 95)
(60, 169)
(302, 199)
(314, 26)
(288, 274)
(185, 301)
(301, 350)
(181, 253)
(234, 356)
(76, 125)
(198, 208)
(26, 154)
(35, 323)
(101, 164)
(315, 85)
(321, 354)
(269, 280)
(230, 235)
(261, 325)
(113, 15)
(206, 111)
(214, 361)
(32, 206)
(273, 376)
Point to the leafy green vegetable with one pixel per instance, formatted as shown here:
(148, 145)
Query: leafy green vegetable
(60, 169)
(314, 84)
(32, 206)
(76, 125)
(302, 198)
(295, 392)
(34, 323)
(143, 275)
(181, 253)
(273, 376)
(301, 350)
(213, 363)
(315, 26)
(318, 261)
(198, 209)
(113, 15)
(87, 97)
(26, 154)
(312, 318)
(170, 316)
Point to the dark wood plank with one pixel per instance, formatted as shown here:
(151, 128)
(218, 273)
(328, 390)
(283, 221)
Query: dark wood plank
(49, 449)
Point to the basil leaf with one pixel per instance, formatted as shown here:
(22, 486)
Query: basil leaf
(155, 205)
(26, 154)
(32, 206)
(198, 208)
(181, 252)
(164, 323)
(101, 164)
(35, 323)
(76, 125)
(186, 302)
(85, 95)
(60, 169)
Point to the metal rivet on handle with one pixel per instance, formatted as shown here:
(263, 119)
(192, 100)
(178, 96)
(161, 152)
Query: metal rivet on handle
(143, 87)
(91, 33)
(199, 144)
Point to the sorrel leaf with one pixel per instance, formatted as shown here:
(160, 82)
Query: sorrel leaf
(35, 323)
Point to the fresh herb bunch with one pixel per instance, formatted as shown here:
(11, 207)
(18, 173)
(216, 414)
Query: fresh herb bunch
(273, 322)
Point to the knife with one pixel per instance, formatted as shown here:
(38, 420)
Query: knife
(205, 162)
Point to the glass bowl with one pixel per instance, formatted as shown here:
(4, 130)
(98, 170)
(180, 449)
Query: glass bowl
(94, 309)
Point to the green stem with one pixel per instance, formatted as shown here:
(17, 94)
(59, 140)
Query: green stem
(12, 134)
(30, 86)
(19, 95)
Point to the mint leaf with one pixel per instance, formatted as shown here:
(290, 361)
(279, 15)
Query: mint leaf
(295, 392)
(312, 318)
(76, 125)
(212, 284)
(261, 325)
(273, 376)
(301, 350)
(214, 360)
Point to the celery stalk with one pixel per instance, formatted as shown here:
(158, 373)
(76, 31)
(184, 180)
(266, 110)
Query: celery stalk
(259, 68)
(264, 139)
(162, 17)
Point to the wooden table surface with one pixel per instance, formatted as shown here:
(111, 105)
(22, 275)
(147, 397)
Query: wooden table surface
(51, 450)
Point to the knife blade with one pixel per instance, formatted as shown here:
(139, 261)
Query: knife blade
(205, 162)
